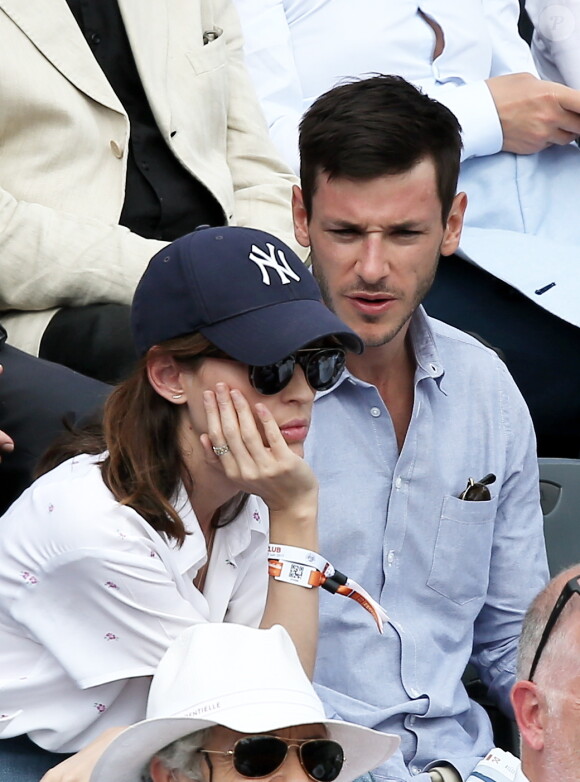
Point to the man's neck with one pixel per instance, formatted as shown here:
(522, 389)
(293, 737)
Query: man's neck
(532, 767)
(391, 368)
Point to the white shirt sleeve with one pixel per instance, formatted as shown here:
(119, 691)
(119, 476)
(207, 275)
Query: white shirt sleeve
(276, 59)
(105, 615)
(511, 54)
(556, 39)
(471, 101)
(270, 62)
(475, 110)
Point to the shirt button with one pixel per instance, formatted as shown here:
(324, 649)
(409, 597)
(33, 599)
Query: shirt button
(95, 38)
(415, 770)
(412, 720)
(398, 483)
(413, 692)
(375, 412)
(116, 149)
(390, 557)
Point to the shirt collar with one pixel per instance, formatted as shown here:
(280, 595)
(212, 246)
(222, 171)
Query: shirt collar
(236, 536)
(429, 363)
(252, 519)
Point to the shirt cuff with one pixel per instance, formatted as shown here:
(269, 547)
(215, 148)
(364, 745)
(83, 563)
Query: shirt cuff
(475, 109)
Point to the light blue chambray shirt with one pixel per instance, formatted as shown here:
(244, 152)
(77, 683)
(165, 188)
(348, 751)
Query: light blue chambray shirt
(455, 577)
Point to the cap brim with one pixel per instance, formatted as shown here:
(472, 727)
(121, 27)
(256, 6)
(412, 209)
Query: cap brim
(126, 756)
(269, 334)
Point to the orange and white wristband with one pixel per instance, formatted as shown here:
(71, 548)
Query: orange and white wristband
(306, 568)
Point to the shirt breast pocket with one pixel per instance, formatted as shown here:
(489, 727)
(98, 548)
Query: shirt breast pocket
(460, 568)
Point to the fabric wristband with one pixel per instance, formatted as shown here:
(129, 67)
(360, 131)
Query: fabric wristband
(306, 568)
(294, 573)
(301, 556)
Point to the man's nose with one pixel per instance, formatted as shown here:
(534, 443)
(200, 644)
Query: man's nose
(373, 262)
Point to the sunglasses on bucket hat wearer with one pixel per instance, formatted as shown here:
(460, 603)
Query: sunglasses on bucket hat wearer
(244, 290)
(256, 757)
(251, 682)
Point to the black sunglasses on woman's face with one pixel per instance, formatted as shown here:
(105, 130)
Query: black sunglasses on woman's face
(322, 367)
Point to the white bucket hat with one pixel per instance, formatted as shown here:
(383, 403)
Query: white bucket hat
(248, 680)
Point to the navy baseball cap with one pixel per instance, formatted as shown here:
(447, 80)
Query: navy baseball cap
(246, 291)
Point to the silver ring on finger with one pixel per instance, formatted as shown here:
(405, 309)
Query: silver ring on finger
(220, 450)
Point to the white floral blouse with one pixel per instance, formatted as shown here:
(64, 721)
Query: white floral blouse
(91, 597)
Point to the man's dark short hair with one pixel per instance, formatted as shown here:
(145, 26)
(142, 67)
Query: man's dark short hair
(376, 126)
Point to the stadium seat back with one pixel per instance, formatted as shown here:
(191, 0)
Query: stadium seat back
(560, 499)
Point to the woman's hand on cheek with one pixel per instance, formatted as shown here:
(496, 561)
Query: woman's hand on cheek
(257, 464)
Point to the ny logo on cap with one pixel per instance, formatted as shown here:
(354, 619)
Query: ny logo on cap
(268, 261)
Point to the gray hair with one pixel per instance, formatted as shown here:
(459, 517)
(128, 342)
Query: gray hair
(181, 755)
(533, 626)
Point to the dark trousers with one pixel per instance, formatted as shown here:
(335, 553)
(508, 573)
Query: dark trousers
(541, 351)
(35, 396)
(23, 761)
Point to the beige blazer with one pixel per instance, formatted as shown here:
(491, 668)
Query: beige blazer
(63, 148)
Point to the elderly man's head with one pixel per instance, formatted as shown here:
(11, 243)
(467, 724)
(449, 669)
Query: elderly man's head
(231, 703)
(179, 759)
(297, 754)
(546, 697)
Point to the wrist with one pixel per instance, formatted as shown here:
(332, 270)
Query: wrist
(300, 513)
(300, 516)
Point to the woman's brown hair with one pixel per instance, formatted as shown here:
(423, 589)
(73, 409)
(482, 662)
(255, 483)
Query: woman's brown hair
(144, 466)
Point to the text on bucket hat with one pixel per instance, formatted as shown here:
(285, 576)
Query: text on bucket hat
(248, 680)
(246, 291)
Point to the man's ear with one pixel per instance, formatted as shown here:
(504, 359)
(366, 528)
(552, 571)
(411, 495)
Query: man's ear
(159, 772)
(164, 374)
(300, 217)
(530, 711)
(454, 225)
